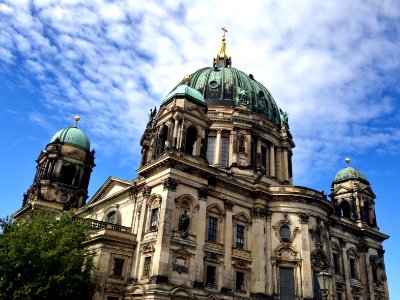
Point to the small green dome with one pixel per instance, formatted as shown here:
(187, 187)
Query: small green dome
(72, 135)
(349, 173)
(186, 91)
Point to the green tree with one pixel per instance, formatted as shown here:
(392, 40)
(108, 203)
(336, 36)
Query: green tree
(42, 257)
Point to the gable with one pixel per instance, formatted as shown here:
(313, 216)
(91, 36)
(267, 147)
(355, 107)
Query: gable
(111, 187)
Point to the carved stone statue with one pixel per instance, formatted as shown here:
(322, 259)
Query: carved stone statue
(241, 97)
(285, 117)
(184, 222)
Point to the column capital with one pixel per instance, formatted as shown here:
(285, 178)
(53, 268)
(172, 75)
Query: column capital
(304, 218)
(202, 193)
(170, 184)
(229, 204)
(258, 213)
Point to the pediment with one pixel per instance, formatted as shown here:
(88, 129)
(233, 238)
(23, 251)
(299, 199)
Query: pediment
(341, 189)
(215, 208)
(111, 187)
(242, 217)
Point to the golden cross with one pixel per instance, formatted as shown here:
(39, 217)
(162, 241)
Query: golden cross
(225, 31)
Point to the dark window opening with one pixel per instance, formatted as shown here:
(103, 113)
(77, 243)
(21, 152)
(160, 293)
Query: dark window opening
(112, 298)
(285, 233)
(117, 267)
(286, 280)
(239, 281)
(264, 158)
(317, 236)
(239, 236)
(191, 138)
(154, 219)
(353, 272)
(316, 288)
(242, 145)
(336, 263)
(210, 276)
(68, 174)
(375, 273)
(146, 267)
(344, 209)
(163, 139)
(112, 218)
(212, 229)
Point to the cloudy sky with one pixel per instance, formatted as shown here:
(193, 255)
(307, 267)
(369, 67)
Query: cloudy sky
(332, 65)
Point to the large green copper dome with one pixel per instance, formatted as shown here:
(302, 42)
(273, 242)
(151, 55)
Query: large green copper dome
(72, 135)
(228, 86)
(349, 173)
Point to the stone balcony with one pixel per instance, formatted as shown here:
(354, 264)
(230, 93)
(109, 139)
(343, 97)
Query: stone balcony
(107, 233)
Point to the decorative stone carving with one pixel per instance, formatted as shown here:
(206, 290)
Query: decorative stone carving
(212, 257)
(303, 218)
(147, 248)
(286, 253)
(259, 213)
(170, 184)
(146, 192)
(319, 260)
(180, 268)
(229, 204)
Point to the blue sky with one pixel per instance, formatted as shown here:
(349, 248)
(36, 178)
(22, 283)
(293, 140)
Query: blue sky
(332, 65)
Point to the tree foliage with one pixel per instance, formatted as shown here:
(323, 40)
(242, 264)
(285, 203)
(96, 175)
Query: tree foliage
(42, 257)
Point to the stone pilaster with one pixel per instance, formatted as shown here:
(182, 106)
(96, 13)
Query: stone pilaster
(272, 161)
(258, 246)
(229, 280)
(306, 255)
(218, 146)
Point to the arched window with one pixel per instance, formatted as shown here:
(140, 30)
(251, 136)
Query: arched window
(68, 174)
(163, 139)
(191, 138)
(112, 217)
(344, 209)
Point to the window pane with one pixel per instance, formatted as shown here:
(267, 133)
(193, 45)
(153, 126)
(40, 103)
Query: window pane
(211, 149)
(212, 229)
(240, 281)
(111, 218)
(224, 151)
(210, 276)
(146, 267)
(154, 219)
(117, 267)
(317, 289)
(286, 283)
(239, 236)
(285, 233)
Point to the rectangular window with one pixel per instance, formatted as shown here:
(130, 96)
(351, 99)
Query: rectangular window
(239, 236)
(112, 298)
(154, 219)
(210, 276)
(224, 151)
(336, 264)
(264, 158)
(353, 272)
(117, 267)
(286, 280)
(211, 149)
(212, 229)
(239, 281)
(338, 296)
(146, 267)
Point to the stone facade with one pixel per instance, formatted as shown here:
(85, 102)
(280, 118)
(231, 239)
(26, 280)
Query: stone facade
(214, 214)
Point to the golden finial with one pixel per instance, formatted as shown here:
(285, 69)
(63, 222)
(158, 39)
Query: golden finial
(186, 79)
(77, 118)
(347, 160)
(223, 45)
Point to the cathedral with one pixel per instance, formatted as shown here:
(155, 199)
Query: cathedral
(213, 213)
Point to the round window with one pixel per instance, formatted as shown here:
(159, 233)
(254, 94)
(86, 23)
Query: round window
(213, 84)
(285, 233)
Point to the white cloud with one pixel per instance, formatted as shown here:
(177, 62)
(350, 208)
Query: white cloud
(327, 63)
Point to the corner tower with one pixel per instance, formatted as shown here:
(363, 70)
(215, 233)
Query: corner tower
(62, 173)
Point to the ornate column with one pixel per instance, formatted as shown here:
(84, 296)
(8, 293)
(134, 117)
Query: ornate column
(364, 278)
(272, 160)
(345, 265)
(218, 145)
(258, 215)
(249, 139)
(285, 164)
(278, 163)
(229, 281)
(162, 247)
(200, 234)
(268, 245)
(306, 256)
(175, 135)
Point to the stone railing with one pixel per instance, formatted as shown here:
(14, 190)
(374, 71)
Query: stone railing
(104, 225)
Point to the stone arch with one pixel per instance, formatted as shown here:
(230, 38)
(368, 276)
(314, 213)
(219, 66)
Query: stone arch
(136, 293)
(186, 207)
(112, 212)
(181, 293)
(153, 212)
(344, 209)
(163, 139)
(191, 140)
